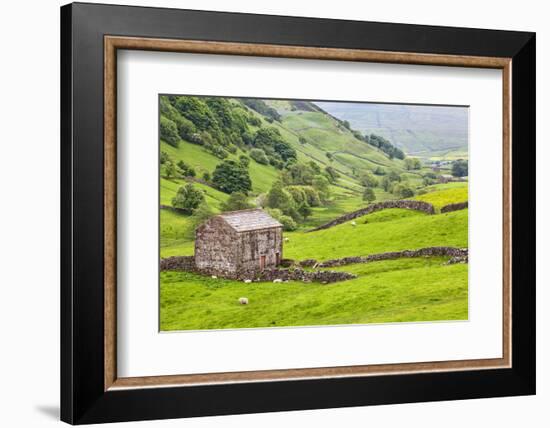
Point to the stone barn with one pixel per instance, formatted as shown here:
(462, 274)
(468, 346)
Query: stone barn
(238, 243)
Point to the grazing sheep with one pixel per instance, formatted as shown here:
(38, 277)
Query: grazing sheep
(353, 223)
(247, 281)
(286, 239)
(278, 280)
(243, 300)
(214, 277)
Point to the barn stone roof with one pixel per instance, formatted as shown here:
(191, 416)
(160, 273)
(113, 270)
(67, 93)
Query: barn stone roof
(248, 220)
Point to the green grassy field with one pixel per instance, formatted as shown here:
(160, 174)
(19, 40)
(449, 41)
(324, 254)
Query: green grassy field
(421, 289)
(376, 233)
(440, 197)
(389, 291)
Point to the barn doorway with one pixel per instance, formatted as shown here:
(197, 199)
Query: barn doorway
(277, 259)
(262, 262)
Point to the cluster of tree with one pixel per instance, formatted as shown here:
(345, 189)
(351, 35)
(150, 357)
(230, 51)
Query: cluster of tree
(369, 182)
(390, 182)
(221, 126)
(261, 107)
(300, 188)
(412, 163)
(429, 178)
(215, 123)
(385, 146)
(460, 168)
(175, 169)
(310, 174)
(397, 184)
(275, 149)
(291, 204)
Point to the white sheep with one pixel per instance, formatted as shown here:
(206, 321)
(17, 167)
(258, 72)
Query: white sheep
(286, 239)
(353, 223)
(214, 277)
(278, 280)
(243, 300)
(247, 281)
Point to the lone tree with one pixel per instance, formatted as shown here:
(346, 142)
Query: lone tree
(368, 180)
(187, 198)
(369, 195)
(230, 176)
(460, 168)
(169, 169)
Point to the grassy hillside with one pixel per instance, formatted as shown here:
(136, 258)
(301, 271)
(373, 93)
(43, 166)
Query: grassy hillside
(419, 130)
(375, 233)
(439, 197)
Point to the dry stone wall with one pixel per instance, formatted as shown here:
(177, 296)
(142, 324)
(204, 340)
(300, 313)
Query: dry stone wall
(454, 207)
(187, 264)
(179, 263)
(378, 206)
(458, 254)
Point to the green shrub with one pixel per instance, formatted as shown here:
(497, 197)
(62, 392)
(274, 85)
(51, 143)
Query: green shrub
(186, 129)
(259, 156)
(412, 163)
(460, 168)
(312, 196)
(237, 201)
(169, 169)
(164, 157)
(244, 160)
(186, 170)
(230, 176)
(288, 223)
(169, 131)
(321, 185)
(188, 198)
(331, 174)
(379, 171)
(298, 194)
(368, 180)
(369, 195)
(403, 191)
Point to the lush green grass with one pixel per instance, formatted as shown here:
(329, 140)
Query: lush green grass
(169, 187)
(176, 236)
(422, 289)
(408, 231)
(262, 176)
(450, 195)
(389, 291)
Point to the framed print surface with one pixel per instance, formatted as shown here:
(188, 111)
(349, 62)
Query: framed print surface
(339, 214)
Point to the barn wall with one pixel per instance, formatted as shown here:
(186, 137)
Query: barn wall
(256, 243)
(216, 247)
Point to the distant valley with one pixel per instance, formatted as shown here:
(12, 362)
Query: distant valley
(424, 131)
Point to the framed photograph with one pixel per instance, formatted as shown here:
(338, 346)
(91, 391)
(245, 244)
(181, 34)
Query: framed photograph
(266, 213)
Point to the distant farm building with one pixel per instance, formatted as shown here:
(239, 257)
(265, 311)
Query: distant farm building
(445, 178)
(238, 242)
